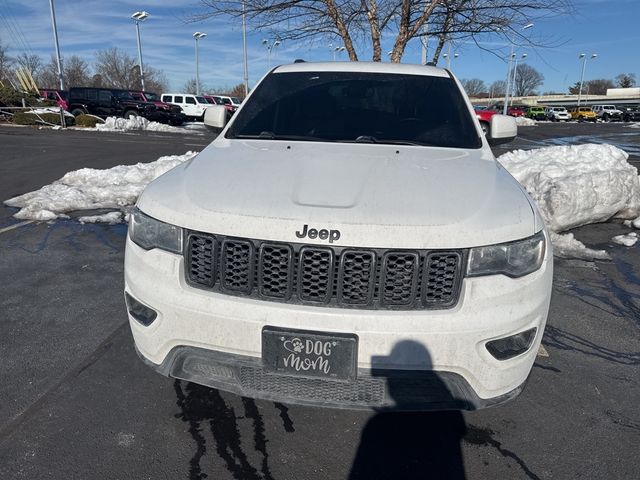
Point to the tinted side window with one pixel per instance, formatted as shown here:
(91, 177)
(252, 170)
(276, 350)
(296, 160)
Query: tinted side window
(104, 96)
(190, 100)
(166, 98)
(177, 99)
(92, 95)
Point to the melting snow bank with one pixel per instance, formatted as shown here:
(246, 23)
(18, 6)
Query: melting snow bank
(89, 189)
(628, 240)
(113, 124)
(111, 218)
(577, 185)
(525, 122)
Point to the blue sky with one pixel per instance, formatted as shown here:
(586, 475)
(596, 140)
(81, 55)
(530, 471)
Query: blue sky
(606, 27)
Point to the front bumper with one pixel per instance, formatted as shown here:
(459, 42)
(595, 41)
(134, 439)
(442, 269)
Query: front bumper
(198, 333)
(397, 390)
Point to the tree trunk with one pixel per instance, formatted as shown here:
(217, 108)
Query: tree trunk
(343, 31)
(372, 16)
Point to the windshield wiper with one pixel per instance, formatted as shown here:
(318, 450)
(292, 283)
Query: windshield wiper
(370, 139)
(272, 136)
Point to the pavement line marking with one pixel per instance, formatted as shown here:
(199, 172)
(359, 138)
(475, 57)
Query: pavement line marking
(542, 352)
(16, 225)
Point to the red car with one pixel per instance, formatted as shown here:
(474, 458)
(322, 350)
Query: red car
(172, 114)
(484, 117)
(217, 100)
(513, 110)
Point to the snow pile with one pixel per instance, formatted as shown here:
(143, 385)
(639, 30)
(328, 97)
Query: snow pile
(111, 218)
(525, 122)
(113, 124)
(90, 189)
(42, 111)
(634, 125)
(632, 223)
(628, 240)
(577, 185)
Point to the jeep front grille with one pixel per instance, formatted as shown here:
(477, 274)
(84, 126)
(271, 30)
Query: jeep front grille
(366, 278)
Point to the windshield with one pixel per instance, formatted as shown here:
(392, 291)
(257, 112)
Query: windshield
(152, 97)
(235, 100)
(358, 107)
(202, 100)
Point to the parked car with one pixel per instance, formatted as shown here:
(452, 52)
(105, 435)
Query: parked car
(213, 100)
(607, 113)
(226, 101)
(347, 240)
(172, 114)
(630, 114)
(557, 114)
(193, 106)
(536, 113)
(512, 110)
(582, 114)
(484, 117)
(58, 96)
(106, 102)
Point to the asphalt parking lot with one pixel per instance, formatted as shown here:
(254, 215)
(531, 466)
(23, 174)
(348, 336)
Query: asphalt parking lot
(77, 403)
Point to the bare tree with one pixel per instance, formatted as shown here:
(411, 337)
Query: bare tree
(237, 91)
(32, 63)
(190, 86)
(6, 63)
(473, 86)
(497, 88)
(361, 23)
(115, 68)
(626, 80)
(76, 72)
(598, 86)
(527, 80)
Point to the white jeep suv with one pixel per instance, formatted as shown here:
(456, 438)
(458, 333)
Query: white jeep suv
(607, 113)
(348, 240)
(557, 114)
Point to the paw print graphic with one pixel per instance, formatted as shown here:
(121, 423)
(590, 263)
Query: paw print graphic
(297, 345)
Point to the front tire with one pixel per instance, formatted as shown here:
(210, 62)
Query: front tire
(77, 111)
(131, 114)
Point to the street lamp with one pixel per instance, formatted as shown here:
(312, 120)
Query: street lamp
(270, 46)
(584, 65)
(512, 57)
(447, 57)
(197, 36)
(336, 50)
(515, 73)
(137, 18)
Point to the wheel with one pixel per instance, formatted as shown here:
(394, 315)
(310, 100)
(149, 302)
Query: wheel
(485, 127)
(77, 111)
(131, 114)
(606, 118)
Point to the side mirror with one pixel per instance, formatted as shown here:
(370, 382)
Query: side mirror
(215, 117)
(503, 129)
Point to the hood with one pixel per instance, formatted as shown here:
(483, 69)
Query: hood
(375, 195)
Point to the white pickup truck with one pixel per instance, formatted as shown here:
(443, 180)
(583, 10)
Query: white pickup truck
(348, 240)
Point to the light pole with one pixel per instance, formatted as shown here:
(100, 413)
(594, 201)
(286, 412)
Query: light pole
(584, 65)
(447, 56)
(197, 36)
(55, 41)
(512, 57)
(270, 46)
(515, 74)
(137, 18)
(336, 51)
(244, 50)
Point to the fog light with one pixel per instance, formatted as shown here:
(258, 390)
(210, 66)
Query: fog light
(509, 347)
(140, 312)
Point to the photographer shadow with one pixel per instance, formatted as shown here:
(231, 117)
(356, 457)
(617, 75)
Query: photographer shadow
(398, 443)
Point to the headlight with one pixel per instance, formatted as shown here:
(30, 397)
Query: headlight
(150, 233)
(514, 259)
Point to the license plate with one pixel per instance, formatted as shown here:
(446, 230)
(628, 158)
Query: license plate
(309, 354)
